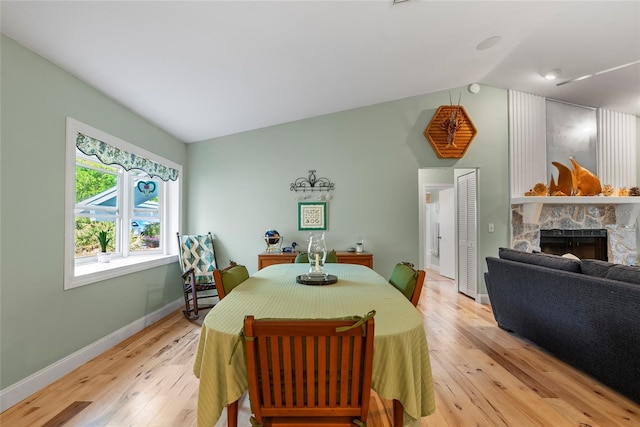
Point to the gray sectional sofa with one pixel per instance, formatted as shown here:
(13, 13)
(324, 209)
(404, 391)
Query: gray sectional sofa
(585, 312)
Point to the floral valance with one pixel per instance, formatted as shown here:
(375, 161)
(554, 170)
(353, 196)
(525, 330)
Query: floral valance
(114, 156)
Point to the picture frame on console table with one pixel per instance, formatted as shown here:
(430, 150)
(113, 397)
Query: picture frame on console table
(312, 216)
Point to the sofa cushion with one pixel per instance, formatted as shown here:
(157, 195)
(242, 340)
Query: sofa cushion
(541, 259)
(595, 267)
(624, 273)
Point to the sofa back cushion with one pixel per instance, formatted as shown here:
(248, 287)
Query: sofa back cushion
(543, 260)
(595, 267)
(624, 273)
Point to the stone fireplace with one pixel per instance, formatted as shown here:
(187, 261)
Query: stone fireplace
(619, 220)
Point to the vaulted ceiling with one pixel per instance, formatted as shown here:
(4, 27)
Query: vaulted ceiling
(206, 69)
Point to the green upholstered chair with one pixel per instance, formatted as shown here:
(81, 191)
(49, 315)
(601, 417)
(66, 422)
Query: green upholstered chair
(198, 261)
(408, 281)
(303, 257)
(229, 278)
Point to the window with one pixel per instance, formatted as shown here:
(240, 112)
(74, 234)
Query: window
(129, 193)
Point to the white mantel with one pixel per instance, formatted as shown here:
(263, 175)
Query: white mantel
(627, 208)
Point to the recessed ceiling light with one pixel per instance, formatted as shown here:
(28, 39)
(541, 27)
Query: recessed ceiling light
(487, 43)
(552, 74)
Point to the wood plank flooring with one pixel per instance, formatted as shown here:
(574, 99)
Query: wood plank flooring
(483, 376)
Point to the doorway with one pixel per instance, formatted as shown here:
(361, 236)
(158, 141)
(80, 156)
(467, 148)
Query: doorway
(447, 233)
(437, 205)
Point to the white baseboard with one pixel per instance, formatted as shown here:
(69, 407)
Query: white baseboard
(483, 299)
(435, 268)
(38, 380)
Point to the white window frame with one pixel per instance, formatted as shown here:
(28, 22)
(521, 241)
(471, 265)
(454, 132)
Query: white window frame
(86, 271)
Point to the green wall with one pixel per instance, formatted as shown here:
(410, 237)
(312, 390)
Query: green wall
(239, 184)
(40, 323)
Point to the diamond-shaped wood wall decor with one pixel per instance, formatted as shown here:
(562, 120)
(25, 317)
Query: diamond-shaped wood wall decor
(442, 124)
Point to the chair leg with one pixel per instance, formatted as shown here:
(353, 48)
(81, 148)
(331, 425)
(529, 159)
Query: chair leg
(195, 300)
(398, 412)
(232, 414)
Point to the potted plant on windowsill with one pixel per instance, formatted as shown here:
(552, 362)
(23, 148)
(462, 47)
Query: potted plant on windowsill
(103, 255)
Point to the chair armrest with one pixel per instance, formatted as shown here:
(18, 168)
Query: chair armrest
(189, 272)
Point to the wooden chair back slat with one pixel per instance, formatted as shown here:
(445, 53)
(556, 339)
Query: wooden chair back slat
(299, 374)
(344, 373)
(310, 368)
(276, 372)
(322, 372)
(355, 368)
(333, 371)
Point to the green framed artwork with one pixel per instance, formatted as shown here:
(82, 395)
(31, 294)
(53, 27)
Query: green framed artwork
(312, 215)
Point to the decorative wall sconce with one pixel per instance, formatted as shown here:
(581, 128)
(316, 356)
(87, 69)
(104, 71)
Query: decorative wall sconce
(311, 184)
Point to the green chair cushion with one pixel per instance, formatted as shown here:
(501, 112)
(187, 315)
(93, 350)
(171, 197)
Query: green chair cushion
(233, 276)
(404, 279)
(303, 257)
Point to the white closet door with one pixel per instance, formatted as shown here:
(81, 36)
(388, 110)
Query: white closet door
(467, 235)
(462, 233)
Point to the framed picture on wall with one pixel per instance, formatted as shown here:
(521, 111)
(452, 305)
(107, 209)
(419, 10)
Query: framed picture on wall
(312, 215)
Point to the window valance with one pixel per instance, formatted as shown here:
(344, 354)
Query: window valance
(114, 156)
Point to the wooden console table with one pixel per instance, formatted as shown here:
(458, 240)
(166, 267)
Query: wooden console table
(364, 258)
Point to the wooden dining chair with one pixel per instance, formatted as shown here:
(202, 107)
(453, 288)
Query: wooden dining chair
(306, 372)
(408, 280)
(228, 278)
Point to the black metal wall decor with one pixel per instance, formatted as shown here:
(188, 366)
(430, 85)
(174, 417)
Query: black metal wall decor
(312, 183)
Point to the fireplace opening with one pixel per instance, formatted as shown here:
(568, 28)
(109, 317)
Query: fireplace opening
(585, 244)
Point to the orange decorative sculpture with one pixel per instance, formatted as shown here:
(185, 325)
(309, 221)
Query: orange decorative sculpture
(587, 183)
(566, 181)
(538, 190)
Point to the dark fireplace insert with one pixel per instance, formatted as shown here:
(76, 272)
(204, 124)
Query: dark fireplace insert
(585, 244)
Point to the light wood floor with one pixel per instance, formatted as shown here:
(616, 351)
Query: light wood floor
(483, 376)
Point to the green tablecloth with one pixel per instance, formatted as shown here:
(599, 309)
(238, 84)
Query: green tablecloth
(401, 366)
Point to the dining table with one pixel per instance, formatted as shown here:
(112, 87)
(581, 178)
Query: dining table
(401, 364)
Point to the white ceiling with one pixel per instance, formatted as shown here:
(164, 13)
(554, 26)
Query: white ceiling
(206, 69)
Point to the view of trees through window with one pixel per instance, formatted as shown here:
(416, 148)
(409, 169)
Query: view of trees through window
(99, 190)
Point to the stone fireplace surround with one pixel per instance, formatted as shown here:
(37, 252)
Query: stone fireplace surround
(619, 221)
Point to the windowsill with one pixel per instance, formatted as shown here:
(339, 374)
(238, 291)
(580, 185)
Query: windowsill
(95, 272)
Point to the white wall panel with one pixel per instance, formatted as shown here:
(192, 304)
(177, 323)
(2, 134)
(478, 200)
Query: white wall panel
(617, 148)
(527, 142)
